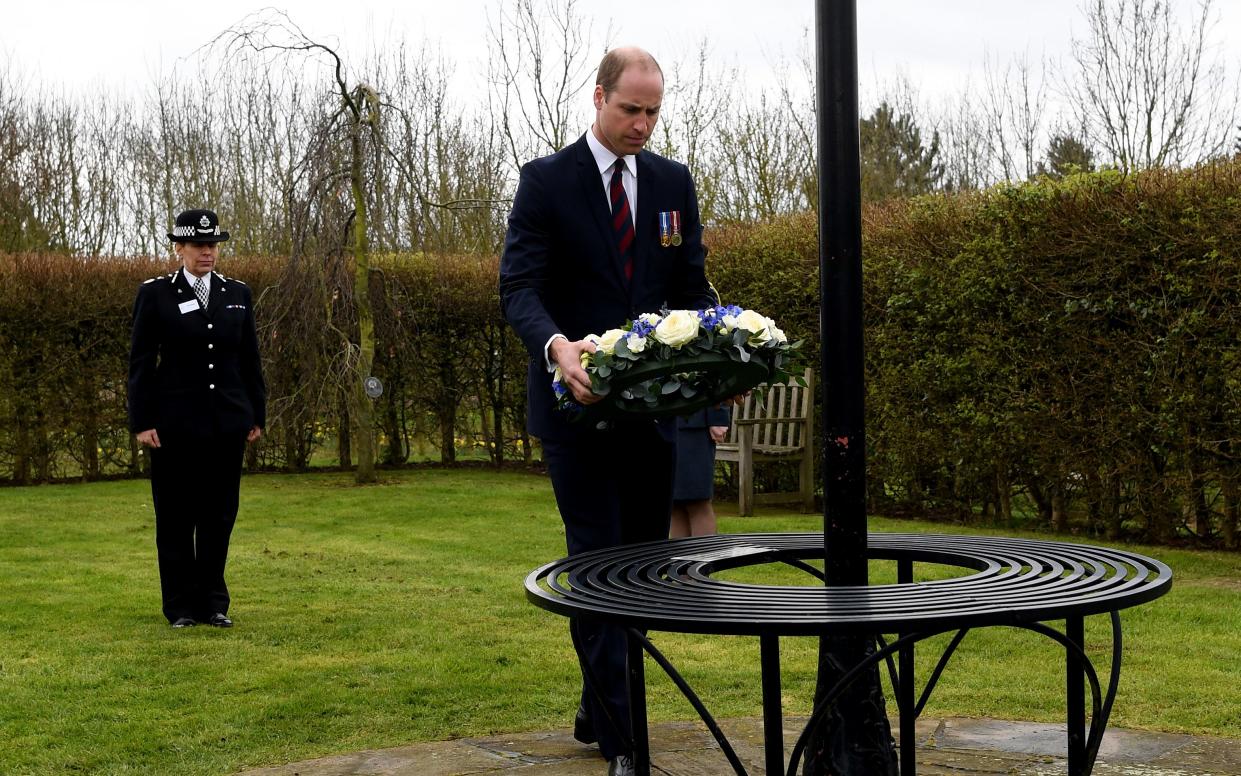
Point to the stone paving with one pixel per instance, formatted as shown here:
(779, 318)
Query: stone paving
(961, 747)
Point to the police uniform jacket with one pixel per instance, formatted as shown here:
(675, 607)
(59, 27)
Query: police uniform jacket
(195, 372)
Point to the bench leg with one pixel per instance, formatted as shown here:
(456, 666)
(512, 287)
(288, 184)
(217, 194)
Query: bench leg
(745, 472)
(805, 477)
(1075, 698)
(637, 708)
(773, 715)
(907, 698)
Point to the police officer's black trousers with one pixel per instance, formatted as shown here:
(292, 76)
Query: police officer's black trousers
(194, 487)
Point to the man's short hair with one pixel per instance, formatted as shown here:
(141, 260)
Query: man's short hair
(614, 64)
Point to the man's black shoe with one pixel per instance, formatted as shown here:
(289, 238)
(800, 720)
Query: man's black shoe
(220, 620)
(621, 766)
(183, 622)
(583, 730)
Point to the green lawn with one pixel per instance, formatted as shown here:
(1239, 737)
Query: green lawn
(379, 616)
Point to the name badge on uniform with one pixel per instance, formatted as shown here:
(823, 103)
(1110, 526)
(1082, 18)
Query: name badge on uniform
(188, 307)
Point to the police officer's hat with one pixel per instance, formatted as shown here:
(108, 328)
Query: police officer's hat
(197, 226)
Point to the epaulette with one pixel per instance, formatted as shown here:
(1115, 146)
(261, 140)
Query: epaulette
(157, 277)
(229, 280)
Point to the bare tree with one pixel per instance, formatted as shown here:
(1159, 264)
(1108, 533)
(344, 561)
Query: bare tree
(19, 229)
(968, 160)
(759, 164)
(801, 107)
(1014, 105)
(539, 63)
(446, 185)
(1145, 90)
(695, 96)
(355, 123)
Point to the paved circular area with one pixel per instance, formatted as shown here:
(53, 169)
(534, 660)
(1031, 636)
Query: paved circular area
(980, 747)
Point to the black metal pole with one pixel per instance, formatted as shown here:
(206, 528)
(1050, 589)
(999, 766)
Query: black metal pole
(840, 288)
(855, 738)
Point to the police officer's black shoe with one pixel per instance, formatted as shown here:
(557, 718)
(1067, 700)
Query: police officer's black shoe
(183, 622)
(220, 620)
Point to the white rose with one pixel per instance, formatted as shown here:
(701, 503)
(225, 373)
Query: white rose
(607, 341)
(677, 328)
(777, 333)
(728, 323)
(756, 325)
(636, 344)
(650, 319)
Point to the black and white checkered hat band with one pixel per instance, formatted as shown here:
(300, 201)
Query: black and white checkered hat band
(193, 231)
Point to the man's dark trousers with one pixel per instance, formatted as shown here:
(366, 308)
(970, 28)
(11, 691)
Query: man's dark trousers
(613, 487)
(194, 487)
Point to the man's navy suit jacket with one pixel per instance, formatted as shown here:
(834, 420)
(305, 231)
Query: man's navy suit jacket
(561, 271)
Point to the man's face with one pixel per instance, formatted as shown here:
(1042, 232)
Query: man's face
(198, 258)
(625, 120)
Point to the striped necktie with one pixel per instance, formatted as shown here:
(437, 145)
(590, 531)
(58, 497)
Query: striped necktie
(622, 223)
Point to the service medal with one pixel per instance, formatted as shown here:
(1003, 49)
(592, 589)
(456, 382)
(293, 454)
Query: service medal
(665, 229)
(676, 227)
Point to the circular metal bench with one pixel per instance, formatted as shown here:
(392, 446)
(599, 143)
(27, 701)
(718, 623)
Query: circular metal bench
(670, 586)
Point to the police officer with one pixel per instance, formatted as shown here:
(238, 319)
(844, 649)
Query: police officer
(196, 397)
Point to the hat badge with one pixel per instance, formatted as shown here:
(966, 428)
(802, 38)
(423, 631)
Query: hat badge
(204, 222)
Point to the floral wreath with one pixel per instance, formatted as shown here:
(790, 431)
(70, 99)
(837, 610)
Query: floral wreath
(678, 361)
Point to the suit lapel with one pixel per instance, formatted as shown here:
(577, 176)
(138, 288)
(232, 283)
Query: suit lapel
(186, 291)
(596, 200)
(644, 220)
(218, 290)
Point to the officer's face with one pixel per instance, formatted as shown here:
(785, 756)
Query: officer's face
(198, 258)
(625, 119)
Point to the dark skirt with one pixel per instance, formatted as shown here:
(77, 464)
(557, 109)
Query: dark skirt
(695, 475)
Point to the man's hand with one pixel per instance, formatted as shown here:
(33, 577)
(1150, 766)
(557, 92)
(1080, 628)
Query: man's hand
(254, 434)
(148, 438)
(718, 433)
(568, 356)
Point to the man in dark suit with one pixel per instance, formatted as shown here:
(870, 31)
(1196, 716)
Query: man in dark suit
(599, 233)
(196, 396)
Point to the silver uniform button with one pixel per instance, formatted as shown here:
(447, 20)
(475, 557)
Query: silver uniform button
(211, 386)
(211, 366)
(210, 346)
(211, 326)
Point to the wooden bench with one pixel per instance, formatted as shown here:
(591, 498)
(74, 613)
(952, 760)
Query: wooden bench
(781, 430)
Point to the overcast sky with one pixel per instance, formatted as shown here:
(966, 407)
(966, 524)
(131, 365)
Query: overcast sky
(937, 44)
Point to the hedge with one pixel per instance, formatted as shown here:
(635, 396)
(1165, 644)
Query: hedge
(1062, 349)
